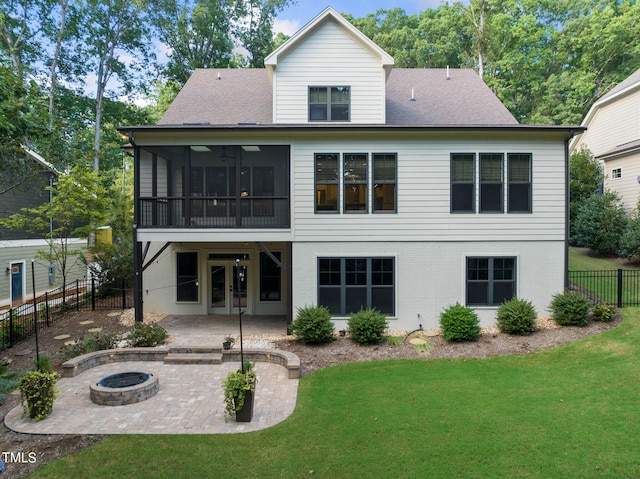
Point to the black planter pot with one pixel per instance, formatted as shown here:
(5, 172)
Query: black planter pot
(226, 345)
(245, 413)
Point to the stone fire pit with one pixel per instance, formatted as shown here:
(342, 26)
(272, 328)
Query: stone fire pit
(124, 388)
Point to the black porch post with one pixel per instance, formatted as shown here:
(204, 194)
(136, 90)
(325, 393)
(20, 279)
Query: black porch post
(137, 246)
(137, 279)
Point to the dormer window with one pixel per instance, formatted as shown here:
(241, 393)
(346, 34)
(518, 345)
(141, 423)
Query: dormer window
(329, 103)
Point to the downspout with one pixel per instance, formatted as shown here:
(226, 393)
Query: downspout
(567, 200)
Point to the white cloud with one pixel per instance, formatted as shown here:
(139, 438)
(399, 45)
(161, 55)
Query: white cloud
(288, 27)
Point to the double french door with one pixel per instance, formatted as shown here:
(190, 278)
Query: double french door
(224, 293)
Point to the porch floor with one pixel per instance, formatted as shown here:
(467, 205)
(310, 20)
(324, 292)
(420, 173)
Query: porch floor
(207, 330)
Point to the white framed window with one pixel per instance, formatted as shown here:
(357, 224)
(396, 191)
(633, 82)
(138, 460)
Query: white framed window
(616, 173)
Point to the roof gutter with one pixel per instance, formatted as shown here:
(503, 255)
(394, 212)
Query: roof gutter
(131, 130)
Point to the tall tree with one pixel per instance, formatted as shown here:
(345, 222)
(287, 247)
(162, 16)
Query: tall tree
(59, 34)
(114, 42)
(21, 23)
(477, 13)
(255, 28)
(197, 33)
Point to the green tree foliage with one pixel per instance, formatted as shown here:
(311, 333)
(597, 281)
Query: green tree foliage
(21, 113)
(629, 247)
(255, 29)
(21, 26)
(586, 177)
(600, 223)
(197, 32)
(77, 207)
(106, 30)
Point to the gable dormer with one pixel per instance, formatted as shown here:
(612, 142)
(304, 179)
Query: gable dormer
(329, 72)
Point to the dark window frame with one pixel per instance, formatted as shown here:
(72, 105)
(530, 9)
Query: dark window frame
(328, 104)
(491, 188)
(342, 280)
(458, 186)
(187, 280)
(270, 273)
(484, 276)
(375, 181)
(518, 187)
(317, 182)
(358, 182)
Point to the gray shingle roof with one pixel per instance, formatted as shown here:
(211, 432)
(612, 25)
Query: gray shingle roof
(245, 96)
(241, 95)
(627, 82)
(463, 99)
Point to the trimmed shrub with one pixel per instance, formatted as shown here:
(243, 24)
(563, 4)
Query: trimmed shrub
(570, 309)
(459, 323)
(97, 342)
(603, 312)
(367, 326)
(516, 316)
(600, 223)
(313, 325)
(146, 335)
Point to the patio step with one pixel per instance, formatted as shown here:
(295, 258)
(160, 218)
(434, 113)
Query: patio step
(193, 358)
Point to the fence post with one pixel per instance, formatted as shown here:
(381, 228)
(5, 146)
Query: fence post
(77, 295)
(46, 306)
(620, 288)
(93, 294)
(124, 294)
(11, 327)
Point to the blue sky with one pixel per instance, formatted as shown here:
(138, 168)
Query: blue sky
(296, 16)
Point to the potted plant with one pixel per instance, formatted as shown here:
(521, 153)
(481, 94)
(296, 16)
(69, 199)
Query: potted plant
(239, 389)
(228, 341)
(37, 392)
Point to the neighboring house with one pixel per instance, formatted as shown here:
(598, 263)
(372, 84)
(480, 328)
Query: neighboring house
(613, 136)
(26, 189)
(336, 179)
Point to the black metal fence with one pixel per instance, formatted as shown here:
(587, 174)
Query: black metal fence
(17, 324)
(617, 287)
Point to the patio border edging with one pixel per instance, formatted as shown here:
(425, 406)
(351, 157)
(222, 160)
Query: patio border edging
(79, 364)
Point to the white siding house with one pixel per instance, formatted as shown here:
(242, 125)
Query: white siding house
(331, 178)
(613, 137)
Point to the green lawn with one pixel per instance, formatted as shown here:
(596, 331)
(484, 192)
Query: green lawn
(567, 412)
(582, 262)
(605, 286)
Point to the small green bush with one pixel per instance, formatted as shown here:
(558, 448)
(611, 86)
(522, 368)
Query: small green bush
(459, 323)
(516, 316)
(603, 312)
(313, 325)
(367, 326)
(144, 335)
(570, 309)
(43, 363)
(97, 342)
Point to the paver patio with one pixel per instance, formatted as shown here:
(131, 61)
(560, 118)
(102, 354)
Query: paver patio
(190, 399)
